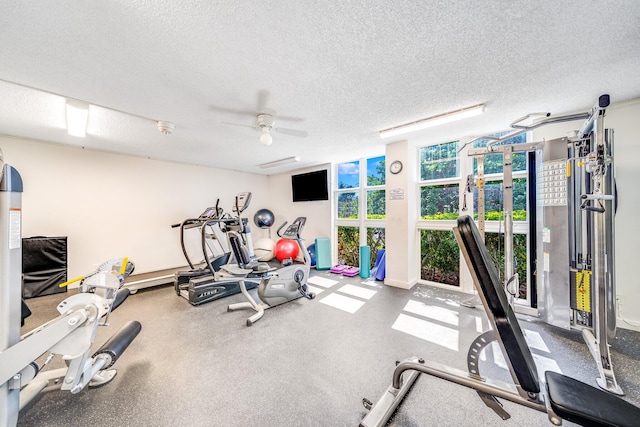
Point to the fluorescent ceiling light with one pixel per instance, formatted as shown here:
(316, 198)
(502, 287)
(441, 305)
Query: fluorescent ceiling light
(77, 115)
(433, 121)
(280, 162)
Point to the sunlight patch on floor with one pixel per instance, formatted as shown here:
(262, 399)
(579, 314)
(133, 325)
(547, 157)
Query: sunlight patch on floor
(321, 281)
(432, 312)
(314, 289)
(428, 331)
(534, 339)
(357, 292)
(350, 305)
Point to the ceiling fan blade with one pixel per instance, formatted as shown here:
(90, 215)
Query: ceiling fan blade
(234, 111)
(263, 99)
(270, 111)
(238, 124)
(292, 132)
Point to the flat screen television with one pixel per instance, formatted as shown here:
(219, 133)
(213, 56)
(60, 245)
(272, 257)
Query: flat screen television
(310, 186)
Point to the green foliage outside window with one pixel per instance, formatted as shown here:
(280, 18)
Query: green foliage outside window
(494, 200)
(439, 161)
(439, 201)
(349, 244)
(376, 171)
(376, 204)
(519, 215)
(440, 257)
(495, 245)
(348, 205)
(493, 162)
(375, 241)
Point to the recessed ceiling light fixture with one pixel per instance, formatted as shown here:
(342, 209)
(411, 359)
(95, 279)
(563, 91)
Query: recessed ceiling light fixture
(77, 116)
(440, 119)
(280, 162)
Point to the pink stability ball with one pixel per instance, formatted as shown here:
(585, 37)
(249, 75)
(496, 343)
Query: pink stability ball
(286, 248)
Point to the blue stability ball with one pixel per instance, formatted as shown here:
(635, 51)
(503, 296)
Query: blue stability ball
(264, 218)
(312, 253)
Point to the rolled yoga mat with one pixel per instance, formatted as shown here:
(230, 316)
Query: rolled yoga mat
(365, 261)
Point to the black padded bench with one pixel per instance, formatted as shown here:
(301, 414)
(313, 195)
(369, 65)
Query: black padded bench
(561, 397)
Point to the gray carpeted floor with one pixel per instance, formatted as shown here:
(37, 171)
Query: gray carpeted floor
(306, 363)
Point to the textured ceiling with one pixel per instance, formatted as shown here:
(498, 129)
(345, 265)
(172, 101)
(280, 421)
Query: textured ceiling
(339, 70)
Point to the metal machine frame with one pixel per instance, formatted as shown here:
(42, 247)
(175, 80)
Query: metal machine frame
(276, 287)
(69, 335)
(589, 223)
(209, 283)
(557, 395)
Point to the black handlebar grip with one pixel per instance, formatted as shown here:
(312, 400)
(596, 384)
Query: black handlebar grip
(603, 101)
(121, 295)
(593, 209)
(118, 343)
(280, 228)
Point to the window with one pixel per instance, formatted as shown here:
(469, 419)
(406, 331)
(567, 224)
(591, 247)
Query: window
(439, 201)
(349, 245)
(349, 175)
(494, 199)
(493, 162)
(348, 205)
(439, 207)
(376, 171)
(440, 173)
(494, 190)
(495, 245)
(375, 240)
(360, 208)
(375, 204)
(440, 257)
(439, 161)
(443, 172)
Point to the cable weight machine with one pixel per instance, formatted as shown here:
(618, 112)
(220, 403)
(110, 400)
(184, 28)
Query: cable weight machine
(574, 227)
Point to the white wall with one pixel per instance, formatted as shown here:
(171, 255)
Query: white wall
(624, 120)
(318, 213)
(401, 235)
(112, 205)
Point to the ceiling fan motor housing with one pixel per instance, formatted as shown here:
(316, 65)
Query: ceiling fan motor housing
(265, 120)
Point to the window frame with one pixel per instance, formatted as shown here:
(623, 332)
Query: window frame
(362, 222)
(466, 167)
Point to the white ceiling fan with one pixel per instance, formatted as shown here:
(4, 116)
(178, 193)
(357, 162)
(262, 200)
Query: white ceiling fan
(265, 122)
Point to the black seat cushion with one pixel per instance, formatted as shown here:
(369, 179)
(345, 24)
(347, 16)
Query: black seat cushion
(506, 325)
(583, 404)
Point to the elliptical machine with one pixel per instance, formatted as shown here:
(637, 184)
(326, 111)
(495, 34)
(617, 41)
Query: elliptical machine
(276, 287)
(213, 250)
(209, 283)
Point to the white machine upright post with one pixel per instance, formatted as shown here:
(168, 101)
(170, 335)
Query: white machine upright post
(507, 181)
(603, 283)
(10, 281)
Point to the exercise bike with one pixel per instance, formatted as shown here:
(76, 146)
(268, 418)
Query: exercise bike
(276, 287)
